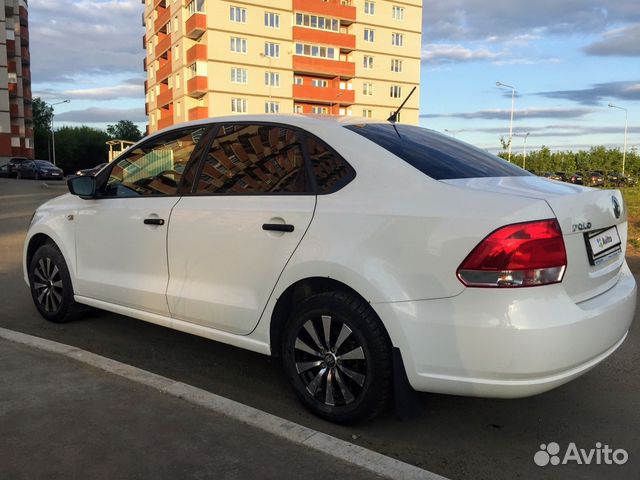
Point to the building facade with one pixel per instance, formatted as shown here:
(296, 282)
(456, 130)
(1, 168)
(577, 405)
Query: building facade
(16, 117)
(217, 57)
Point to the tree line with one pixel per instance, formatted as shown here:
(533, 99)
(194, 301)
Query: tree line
(607, 160)
(76, 147)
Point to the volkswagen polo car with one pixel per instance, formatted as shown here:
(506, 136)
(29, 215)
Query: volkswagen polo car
(362, 253)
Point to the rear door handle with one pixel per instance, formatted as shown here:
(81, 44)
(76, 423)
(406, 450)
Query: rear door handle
(154, 221)
(278, 227)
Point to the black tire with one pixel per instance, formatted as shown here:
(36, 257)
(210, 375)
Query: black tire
(361, 384)
(50, 284)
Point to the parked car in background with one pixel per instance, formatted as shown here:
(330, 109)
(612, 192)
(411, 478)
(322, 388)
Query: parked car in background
(90, 171)
(577, 178)
(617, 179)
(12, 166)
(349, 249)
(559, 176)
(596, 179)
(4, 170)
(40, 170)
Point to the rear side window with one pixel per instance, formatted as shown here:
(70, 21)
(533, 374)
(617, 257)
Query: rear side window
(332, 172)
(438, 156)
(254, 159)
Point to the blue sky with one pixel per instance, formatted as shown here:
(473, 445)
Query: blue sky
(567, 59)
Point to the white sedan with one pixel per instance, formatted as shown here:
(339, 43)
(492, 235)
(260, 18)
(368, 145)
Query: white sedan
(357, 251)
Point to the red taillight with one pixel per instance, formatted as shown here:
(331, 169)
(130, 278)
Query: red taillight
(519, 255)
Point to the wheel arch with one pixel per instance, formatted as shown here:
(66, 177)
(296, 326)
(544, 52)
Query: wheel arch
(35, 241)
(296, 292)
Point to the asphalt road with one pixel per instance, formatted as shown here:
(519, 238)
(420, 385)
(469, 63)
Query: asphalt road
(461, 438)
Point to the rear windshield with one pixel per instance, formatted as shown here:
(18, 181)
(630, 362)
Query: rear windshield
(437, 155)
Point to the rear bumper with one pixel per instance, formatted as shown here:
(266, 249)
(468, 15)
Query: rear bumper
(508, 343)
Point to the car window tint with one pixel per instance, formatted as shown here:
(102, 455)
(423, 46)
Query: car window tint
(331, 171)
(253, 159)
(436, 155)
(154, 168)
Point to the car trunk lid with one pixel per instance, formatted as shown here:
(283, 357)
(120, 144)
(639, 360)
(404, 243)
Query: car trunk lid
(592, 221)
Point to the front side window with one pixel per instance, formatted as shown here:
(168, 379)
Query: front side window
(254, 159)
(154, 168)
(439, 156)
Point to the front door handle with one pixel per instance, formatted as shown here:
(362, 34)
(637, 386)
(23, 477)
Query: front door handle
(154, 221)
(278, 227)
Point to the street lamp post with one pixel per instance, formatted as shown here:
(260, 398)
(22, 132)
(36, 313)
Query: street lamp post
(337, 102)
(524, 149)
(626, 118)
(513, 102)
(53, 135)
(268, 57)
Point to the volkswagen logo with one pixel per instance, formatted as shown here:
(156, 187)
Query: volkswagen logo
(616, 207)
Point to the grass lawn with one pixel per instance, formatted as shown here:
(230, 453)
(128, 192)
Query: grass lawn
(632, 202)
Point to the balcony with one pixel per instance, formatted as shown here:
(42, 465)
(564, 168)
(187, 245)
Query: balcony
(164, 43)
(165, 122)
(165, 97)
(164, 15)
(308, 93)
(197, 86)
(197, 52)
(24, 36)
(13, 109)
(341, 9)
(196, 26)
(198, 113)
(13, 89)
(163, 72)
(144, 41)
(344, 41)
(324, 68)
(144, 63)
(26, 75)
(11, 48)
(24, 52)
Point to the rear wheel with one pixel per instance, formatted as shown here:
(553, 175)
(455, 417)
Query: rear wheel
(50, 283)
(337, 356)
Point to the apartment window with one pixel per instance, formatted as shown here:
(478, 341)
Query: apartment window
(298, 109)
(176, 52)
(316, 82)
(239, 105)
(369, 35)
(178, 109)
(238, 14)
(196, 6)
(315, 51)
(397, 13)
(272, 79)
(396, 65)
(271, 20)
(397, 39)
(298, 81)
(367, 89)
(314, 21)
(319, 110)
(239, 75)
(272, 49)
(368, 62)
(193, 70)
(369, 8)
(395, 91)
(271, 107)
(178, 85)
(366, 113)
(238, 45)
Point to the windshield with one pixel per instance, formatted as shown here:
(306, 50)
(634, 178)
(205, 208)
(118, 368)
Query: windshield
(44, 163)
(436, 155)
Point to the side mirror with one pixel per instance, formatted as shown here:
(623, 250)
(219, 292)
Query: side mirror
(84, 187)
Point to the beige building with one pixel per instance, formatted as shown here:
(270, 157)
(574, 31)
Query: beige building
(16, 118)
(216, 57)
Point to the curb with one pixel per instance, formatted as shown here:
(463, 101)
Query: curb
(373, 462)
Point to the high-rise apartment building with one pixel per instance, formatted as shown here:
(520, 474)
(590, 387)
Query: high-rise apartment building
(16, 118)
(218, 57)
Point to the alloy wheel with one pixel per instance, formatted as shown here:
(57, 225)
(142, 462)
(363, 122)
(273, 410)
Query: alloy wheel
(48, 285)
(330, 361)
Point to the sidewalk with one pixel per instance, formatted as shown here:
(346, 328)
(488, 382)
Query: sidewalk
(60, 418)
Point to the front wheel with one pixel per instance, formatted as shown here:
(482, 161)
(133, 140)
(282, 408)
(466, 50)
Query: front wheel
(50, 284)
(337, 356)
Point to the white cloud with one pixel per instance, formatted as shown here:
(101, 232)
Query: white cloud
(102, 115)
(448, 53)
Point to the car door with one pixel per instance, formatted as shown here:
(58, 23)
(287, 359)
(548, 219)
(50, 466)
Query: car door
(121, 235)
(231, 239)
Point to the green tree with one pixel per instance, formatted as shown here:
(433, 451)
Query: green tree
(42, 115)
(80, 147)
(124, 130)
